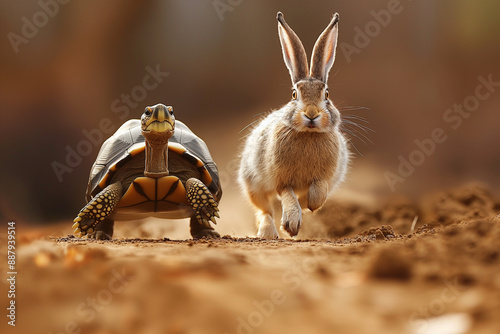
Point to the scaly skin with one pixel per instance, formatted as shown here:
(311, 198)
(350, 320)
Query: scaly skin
(98, 209)
(202, 202)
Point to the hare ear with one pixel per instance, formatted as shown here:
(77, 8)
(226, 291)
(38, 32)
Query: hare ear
(293, 51)
(323, 54)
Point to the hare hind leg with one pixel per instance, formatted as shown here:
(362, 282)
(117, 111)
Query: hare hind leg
(317, 194)
(265, 220)
(291, 218)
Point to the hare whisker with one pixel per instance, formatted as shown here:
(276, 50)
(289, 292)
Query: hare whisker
(356, 117)
(358, 135)
(249, 125)
(348, 126)
(359, 126)
(342, 108)
(355, 148)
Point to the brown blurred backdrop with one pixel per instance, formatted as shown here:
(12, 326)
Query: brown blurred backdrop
(66, 69)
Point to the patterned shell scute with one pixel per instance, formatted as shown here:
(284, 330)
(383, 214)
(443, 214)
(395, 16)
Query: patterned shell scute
(118, 147)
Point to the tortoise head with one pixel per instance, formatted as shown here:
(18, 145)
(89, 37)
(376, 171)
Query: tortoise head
(158, 123)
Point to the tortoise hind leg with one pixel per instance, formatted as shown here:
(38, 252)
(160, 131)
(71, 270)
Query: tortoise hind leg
(97, 210)
(199, 231)
(104, 230)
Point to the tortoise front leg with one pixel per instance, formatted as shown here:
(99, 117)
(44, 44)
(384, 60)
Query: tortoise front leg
(97, 210)
(202, 202)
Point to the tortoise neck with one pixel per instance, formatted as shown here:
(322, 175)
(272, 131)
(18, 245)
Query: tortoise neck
(156, 165)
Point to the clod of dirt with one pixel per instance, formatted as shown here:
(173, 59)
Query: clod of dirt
(389, 263)
(381, 233)
(424, 229)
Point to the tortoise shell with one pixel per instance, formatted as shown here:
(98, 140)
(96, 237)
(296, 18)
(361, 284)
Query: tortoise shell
(128, 142)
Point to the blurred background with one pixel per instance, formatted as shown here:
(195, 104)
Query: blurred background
(72, 73)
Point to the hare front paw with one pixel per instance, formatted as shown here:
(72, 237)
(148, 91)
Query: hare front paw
(292, 212)
(291, 220)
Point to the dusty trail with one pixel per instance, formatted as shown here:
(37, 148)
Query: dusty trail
(373, 280)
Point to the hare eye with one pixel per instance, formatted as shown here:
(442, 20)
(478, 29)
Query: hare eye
(327, 94)
(294, 94)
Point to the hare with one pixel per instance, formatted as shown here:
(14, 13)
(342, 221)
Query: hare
(297, 153)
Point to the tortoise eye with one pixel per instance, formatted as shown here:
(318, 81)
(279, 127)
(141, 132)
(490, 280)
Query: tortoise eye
(147, 111)
(327, 94)
(294, 94)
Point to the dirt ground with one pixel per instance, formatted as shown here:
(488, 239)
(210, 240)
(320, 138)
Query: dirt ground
(426, 266)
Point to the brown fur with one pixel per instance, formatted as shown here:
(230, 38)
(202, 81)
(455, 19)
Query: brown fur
(306, 157)
(311, 90)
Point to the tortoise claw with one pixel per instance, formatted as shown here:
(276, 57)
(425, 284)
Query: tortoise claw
(85, 227)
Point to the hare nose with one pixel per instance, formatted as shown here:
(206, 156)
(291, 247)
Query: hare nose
(311, 118)
(311, 112)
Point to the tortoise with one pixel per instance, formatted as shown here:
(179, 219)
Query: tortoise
(152, 167)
